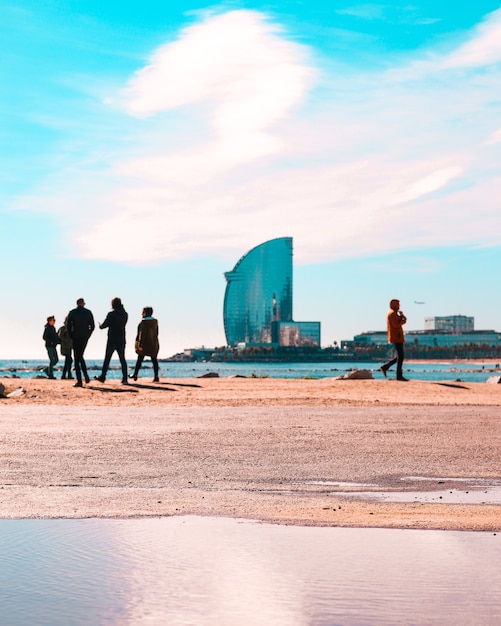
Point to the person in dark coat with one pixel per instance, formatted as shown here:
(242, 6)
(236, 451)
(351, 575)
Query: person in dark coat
(147, 342)
(51, 340)
(115, 323)
(66, 348)
(80, 327)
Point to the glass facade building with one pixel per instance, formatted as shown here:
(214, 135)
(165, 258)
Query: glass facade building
(258, 297)
(258, 292)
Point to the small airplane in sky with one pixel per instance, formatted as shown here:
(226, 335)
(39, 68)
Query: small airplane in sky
(416, 302)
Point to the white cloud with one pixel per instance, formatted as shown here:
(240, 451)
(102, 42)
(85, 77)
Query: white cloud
(234, 147)
(494, 138)
(484, 47)
(430, 183)
(235, 63)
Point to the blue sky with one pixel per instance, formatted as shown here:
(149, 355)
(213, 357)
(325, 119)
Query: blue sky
(144, 147)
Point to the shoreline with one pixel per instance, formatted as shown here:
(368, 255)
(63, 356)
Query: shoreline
(131, 361)
(284, 451)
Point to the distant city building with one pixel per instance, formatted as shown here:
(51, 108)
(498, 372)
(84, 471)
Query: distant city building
(454, 324)
(427, 338)
(446, 331)
(296, 333)
(258, 300)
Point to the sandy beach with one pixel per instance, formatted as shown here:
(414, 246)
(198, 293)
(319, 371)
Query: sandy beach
(278, 450)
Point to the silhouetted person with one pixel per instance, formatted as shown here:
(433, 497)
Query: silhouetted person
(51, 340)
(395, 321)
(147, 342)
(115, 323)
(80, 327)
(66, 348)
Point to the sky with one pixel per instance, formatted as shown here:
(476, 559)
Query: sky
(145, 147)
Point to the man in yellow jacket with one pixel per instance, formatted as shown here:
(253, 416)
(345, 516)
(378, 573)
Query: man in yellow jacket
(395, 321)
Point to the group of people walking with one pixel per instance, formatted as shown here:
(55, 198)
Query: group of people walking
(78, 327)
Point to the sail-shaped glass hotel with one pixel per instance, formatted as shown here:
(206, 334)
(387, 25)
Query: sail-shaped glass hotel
(258, 299)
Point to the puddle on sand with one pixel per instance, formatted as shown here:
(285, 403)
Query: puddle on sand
(337, 483)
(454, 479)
(474, 491)
(205, 571)
(491, 495)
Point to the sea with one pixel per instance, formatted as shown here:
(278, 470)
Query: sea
(443, 371)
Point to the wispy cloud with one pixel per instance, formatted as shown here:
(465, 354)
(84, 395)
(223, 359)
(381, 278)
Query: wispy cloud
(494, 138)
(231, 142)
(482, 49)
(364, 11)
(407, 14)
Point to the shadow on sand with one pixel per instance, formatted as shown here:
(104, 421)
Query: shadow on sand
(134, 387)
(152, 386)
(125, 389)
(452, 385)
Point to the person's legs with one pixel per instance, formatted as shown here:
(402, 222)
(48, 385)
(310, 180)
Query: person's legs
(53, 359)
(140, 359)
(399, 347)
(79, 346)
(154, 360)
(83, 364)
(68, 362)
(78, 354)
(123, 362)
(106, 363)
(65, 368)
(384, 368)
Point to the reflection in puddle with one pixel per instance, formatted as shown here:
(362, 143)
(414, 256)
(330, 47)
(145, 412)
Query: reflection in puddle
(206, 571)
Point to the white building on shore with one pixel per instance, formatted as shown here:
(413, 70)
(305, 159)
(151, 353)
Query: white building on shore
(453, 324)
(446, 331)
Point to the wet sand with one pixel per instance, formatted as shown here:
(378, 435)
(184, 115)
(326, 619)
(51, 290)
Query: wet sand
(268, 449)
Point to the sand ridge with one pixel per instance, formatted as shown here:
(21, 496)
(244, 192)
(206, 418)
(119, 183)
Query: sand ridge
(237, 391)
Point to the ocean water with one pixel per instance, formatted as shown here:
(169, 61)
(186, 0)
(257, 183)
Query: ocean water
(184, 571)
(444, 371)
